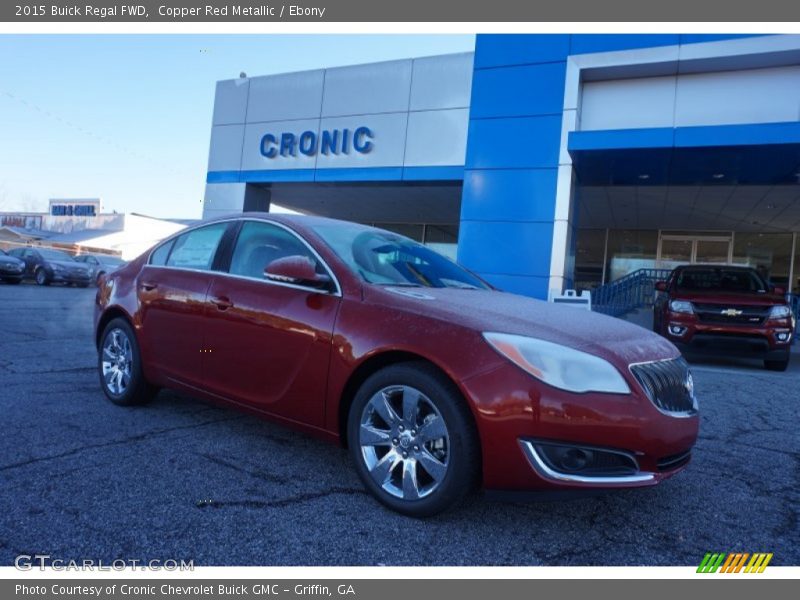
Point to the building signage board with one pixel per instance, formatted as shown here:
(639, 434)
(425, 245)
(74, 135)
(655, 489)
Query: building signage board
(309, 143)
(74, 207)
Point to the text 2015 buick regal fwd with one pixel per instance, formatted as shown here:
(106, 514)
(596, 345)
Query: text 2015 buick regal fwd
(434, 381)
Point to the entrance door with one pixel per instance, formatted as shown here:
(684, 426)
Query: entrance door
(674, 250)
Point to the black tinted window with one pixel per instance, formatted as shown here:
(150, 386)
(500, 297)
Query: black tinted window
(720, 280)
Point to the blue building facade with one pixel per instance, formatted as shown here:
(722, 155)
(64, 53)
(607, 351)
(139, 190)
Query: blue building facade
(541, 162)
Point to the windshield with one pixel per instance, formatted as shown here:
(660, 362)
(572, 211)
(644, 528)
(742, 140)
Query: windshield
(385, 258)
(54, 254)
(721, 280)
(110, 260)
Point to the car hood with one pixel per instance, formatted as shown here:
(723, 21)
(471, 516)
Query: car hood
(10, 260)
(730, 299)
(480, 310)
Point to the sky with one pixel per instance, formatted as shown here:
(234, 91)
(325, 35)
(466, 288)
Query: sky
(127, 118)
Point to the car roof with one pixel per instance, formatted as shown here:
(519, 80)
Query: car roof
(286, 219)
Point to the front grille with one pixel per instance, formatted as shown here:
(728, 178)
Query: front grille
(668, 384)
(727, 314)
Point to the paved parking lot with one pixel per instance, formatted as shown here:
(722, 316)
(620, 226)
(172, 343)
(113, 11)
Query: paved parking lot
(81, 478)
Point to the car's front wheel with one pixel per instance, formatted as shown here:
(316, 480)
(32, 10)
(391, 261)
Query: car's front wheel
(120, 366)
(413, 440)
(41, 277)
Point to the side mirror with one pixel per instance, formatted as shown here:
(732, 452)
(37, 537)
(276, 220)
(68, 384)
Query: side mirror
(661, 286)
(295, 269)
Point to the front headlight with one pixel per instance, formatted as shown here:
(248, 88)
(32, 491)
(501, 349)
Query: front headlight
(681, 306)
(780, 312)
(57, 267)
(559, 366)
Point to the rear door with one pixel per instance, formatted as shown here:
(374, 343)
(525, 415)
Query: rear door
(172, 293)
(268, 344)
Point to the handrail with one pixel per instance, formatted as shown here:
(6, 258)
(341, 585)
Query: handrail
(634, 290)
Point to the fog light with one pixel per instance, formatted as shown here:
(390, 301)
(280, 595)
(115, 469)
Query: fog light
(582, 460)
(784, 336)
(677, 329)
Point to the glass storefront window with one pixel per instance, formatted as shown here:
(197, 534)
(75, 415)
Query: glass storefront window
(796, 272)
(410, 230)
(443, 239)
(629, 251)
(769, 253)
(589, 251)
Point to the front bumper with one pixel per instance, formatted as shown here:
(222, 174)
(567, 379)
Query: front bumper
(7, 272)
(66, 277)
(770, 341)
(513, 410)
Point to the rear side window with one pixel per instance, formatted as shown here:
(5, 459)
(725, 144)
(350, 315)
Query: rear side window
(160, 254)
(196, 249)
(259, 244)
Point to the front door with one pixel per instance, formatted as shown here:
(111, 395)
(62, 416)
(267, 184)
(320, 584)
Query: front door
(674, 250)
(268, 344)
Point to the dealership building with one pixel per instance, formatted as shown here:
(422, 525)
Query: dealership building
(541, 162)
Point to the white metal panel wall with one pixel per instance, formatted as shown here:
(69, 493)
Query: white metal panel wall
(417, 110)
(441, 82)
(285, 97)
(725, 98)
(755, 96)
(230, 103)
(367, 89)
(628, 103)
(437, 137)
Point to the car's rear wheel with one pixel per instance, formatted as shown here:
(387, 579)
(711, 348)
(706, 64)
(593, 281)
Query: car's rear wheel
(41, 277)
(120, 366)
(413, 440)
(776, 365)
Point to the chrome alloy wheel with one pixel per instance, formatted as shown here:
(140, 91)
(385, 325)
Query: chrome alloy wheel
(404, 442)
(117, 361)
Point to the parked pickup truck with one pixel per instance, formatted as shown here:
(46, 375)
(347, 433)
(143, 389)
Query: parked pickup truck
(725, 311)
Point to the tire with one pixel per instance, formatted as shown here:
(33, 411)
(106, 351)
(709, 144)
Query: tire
(41, 277)
(777, 365)
(82, 285)
(411, 474)
(119, 366)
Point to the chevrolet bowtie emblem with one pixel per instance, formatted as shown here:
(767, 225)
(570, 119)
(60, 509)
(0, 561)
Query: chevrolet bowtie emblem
(731, 312)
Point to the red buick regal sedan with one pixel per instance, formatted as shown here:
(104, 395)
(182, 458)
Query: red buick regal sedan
(435, 382)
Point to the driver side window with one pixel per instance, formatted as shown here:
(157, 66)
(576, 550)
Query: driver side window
(261, 243)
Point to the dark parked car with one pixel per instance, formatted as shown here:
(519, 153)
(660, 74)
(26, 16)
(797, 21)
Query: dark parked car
(725, 311)
(12, 269)
(46, 266)
(432, 379)
(101, 263)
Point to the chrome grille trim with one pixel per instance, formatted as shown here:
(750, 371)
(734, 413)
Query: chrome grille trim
(668, 384)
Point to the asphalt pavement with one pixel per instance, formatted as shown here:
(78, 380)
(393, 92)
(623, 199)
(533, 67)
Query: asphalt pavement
(181, 479)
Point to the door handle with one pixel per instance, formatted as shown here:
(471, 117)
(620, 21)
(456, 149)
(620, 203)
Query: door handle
(222, 302)
(148, 287)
